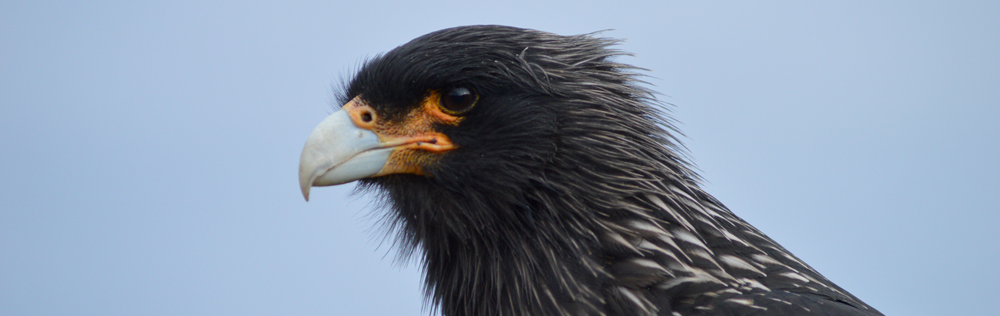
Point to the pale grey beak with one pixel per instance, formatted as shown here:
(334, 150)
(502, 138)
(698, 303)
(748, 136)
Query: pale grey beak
(338, 152)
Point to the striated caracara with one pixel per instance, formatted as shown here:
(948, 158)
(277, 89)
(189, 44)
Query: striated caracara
(533, 176)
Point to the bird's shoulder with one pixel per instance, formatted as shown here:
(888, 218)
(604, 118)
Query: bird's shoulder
(698, 258)
(763, 303)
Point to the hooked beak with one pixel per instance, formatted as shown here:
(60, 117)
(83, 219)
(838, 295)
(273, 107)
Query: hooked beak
(355, 143)
(338, 152)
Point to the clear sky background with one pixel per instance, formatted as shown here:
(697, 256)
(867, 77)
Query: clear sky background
(148, 152)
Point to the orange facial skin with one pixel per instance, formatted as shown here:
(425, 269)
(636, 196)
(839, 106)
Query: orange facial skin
(416, 142)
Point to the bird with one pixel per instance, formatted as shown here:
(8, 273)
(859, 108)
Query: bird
(533, 174)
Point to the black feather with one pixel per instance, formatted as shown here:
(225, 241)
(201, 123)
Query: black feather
(568, 194)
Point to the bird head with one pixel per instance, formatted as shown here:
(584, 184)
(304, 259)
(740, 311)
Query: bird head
(473, 107)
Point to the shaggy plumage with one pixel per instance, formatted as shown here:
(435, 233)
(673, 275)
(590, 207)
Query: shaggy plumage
(567, 193)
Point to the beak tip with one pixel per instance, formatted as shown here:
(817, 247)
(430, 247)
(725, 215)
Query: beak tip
(305, 190)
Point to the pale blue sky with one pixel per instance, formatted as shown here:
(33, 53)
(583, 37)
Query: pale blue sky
(148, 152)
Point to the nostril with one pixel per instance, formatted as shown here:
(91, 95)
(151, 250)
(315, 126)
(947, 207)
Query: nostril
(367, 117)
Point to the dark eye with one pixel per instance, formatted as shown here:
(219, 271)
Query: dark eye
(458, 101)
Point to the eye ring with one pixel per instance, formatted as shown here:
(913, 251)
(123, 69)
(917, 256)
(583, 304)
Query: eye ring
(458, 101)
